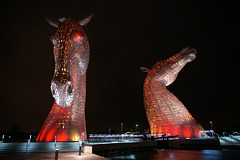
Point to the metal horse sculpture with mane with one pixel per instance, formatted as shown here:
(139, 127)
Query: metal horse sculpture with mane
(66, 120)
(165, 112)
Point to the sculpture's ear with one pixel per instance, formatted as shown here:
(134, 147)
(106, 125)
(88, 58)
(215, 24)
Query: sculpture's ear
(86, 20)
(144, 69)
(52, 21)
(62, 19)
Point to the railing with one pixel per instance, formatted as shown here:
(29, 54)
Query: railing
(114, 137)
(122, 137)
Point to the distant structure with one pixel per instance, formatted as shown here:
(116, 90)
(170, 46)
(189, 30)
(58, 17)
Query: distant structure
(66, 120)
(165, 113)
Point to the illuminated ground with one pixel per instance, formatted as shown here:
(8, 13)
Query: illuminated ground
(38, 150)
(46, 156)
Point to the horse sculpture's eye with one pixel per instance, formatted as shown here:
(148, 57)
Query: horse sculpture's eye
(69, 88)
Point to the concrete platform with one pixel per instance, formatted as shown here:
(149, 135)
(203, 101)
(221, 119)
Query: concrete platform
(46, 151)
(189, 143)
(119, 147)
(231, 142)
(194, 143)
(51, 156)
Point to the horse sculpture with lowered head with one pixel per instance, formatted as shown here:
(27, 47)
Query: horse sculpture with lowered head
(66, 120)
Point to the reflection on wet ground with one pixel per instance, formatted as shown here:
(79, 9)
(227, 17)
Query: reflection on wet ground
(224, 154)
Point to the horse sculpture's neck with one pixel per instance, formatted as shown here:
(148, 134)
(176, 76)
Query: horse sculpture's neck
(165, 113)
(170, 108)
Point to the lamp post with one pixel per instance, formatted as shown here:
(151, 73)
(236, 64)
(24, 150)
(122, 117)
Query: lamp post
(56, 153)
(80, 149)
(121, 128)
(55, 142)
(224, 134)
(2, 137)
(136, 127)
(80, 145)
(211, 125)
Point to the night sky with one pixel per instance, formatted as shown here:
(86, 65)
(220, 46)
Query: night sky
(123, 36)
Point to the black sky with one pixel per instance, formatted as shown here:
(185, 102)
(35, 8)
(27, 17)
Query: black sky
(123, 36)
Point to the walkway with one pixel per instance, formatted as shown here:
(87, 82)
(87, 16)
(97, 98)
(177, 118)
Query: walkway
(51, 156)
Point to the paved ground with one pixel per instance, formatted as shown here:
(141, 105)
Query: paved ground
(51, 156)
(43, 151)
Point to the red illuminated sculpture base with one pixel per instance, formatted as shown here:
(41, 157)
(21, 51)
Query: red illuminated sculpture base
(60, 125)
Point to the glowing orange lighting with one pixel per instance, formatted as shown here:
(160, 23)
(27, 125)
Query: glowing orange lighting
(78, 37)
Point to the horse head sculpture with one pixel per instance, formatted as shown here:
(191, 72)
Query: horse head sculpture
(165, 113)
(71, 53)
(66, 119)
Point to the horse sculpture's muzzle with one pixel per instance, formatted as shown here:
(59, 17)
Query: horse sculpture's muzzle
(63, 93)
(189, 54)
